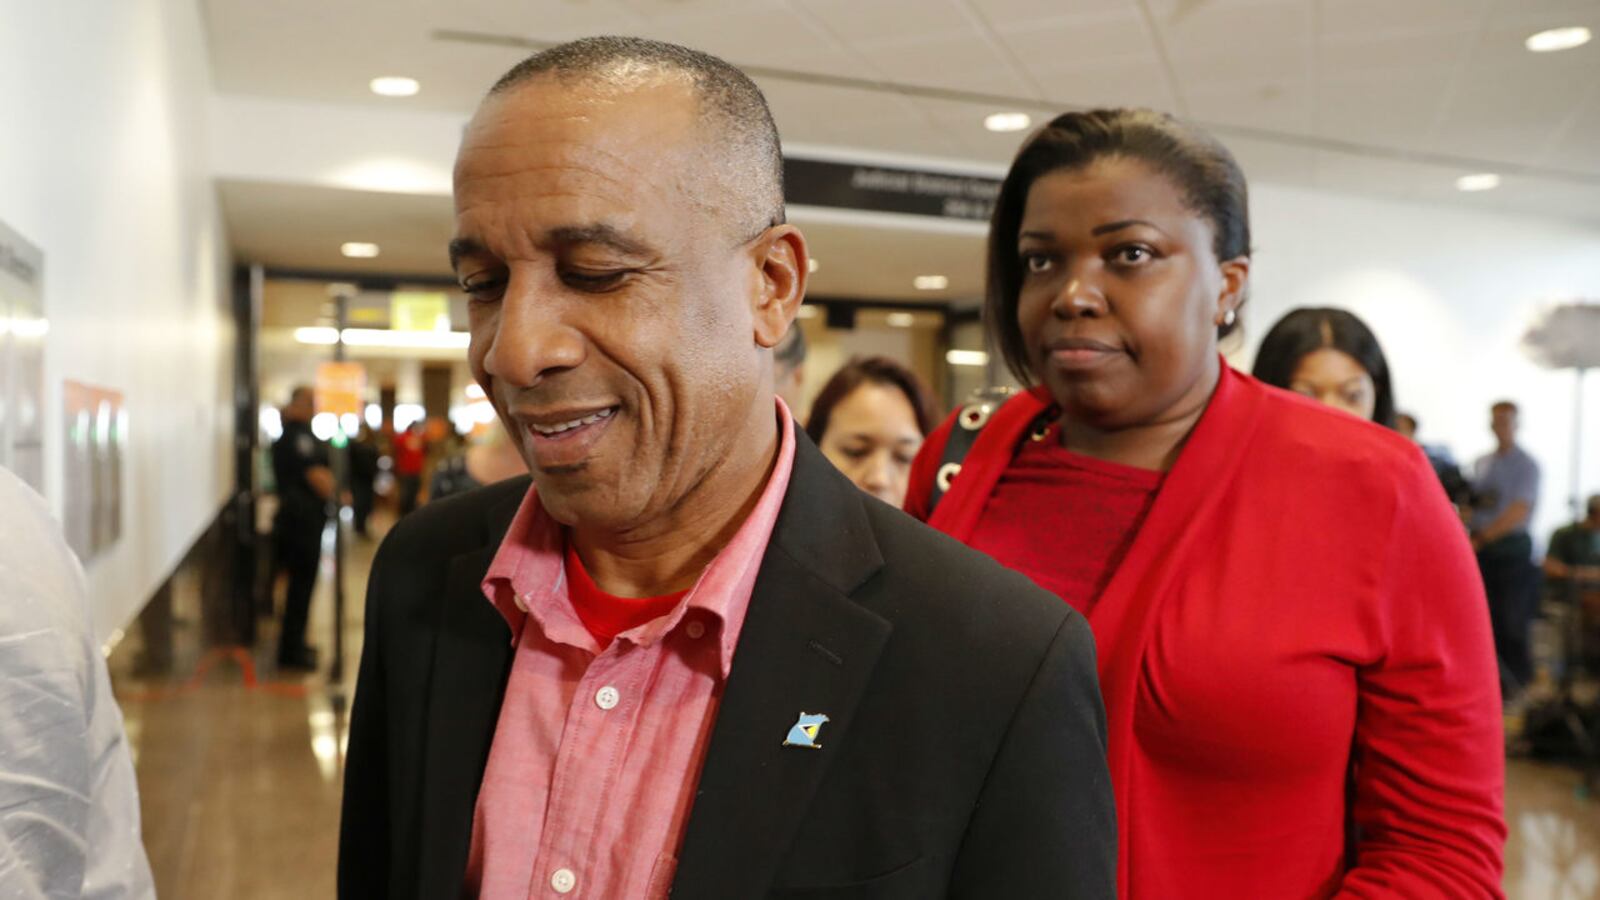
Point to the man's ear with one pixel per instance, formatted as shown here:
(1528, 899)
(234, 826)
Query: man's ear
(782, 256)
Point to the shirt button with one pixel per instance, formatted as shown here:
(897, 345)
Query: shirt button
(563, 881)
(695, 630)
(605, 698)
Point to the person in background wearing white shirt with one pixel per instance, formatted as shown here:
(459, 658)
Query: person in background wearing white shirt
(69, 808)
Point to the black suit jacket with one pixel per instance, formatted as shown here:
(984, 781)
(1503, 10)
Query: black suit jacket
(964, 756)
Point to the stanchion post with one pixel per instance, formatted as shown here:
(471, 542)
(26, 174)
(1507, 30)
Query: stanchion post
(341, 473)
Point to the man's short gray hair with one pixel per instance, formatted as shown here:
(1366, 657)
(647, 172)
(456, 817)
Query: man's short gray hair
(747, 138)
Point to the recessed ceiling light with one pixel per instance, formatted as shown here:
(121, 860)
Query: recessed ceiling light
(1007, 121)
(930, 282)
(812, 265)
(1482, 181)
(1558, 39)
(395, 86)
(358, 249)
(902, 319)
(966, 358)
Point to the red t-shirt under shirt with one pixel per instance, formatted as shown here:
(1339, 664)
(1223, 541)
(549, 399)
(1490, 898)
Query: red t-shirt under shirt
(607, 615)
(1063, 519)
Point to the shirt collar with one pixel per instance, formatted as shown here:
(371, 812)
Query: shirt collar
(527, 577)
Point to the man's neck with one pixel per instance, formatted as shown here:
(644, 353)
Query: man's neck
(1505, 449)
(668, 553)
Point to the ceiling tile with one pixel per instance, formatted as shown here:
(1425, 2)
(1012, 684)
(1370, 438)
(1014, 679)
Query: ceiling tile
(1382, 108)
(1541, 14)
(962, 62)
(1404, 52)
(553, 21)
(863, 24)
(1078, 40)
(1271, 106)
(1134, 81)
(1509, 111)
(1372, 18)
(1010, 13)
(1576, 146)
(1201, 25)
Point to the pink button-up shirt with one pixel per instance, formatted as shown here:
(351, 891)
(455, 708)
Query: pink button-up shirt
(597, 753)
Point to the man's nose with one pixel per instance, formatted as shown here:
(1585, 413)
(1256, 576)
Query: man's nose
(532, 337)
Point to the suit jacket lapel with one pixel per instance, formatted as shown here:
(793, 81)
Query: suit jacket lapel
(471, 661)
(805, 647)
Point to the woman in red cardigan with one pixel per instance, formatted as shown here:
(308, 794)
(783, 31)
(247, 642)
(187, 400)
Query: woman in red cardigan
(1294, 644)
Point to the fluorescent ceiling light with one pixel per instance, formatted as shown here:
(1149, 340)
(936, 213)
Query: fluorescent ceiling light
(318, 335)
(1007, 121)
(395, 86)
(1558, 39)
(966, 358)
(358, 249)
(807, 312)
(902, 319)
(381, 337)
(930, 282)
(1482, 181)
(812, 265)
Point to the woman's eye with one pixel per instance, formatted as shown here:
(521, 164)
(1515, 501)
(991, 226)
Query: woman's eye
(855, 452)
(1132, 254)
(1036, 263)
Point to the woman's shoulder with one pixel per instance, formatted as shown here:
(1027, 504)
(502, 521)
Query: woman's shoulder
(1312, 441)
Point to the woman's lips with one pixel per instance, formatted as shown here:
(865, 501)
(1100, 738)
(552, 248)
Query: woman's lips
(1077, 354)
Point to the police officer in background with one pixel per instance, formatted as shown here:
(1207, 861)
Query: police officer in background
(305, 480)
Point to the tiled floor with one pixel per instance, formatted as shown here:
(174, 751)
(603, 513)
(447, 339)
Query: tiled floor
(240, 785)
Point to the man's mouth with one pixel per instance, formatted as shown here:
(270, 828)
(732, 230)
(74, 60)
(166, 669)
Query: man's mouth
(561, 439)
(555, 428)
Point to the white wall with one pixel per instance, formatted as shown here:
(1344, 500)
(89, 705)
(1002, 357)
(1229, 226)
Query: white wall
(1449, 292)
(103, 165)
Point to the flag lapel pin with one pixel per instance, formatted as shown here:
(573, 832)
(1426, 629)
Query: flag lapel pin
(805, 730)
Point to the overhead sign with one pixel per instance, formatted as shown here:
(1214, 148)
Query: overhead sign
(23, 328)
(419, 311)
(340, 388)
(889, 189)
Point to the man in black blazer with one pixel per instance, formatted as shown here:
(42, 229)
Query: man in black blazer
(620, 234)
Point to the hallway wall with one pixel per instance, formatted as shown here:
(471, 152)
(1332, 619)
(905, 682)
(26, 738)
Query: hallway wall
(104, 166)
(1449, 293)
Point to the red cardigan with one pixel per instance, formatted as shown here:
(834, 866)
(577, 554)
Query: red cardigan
(1300, 603)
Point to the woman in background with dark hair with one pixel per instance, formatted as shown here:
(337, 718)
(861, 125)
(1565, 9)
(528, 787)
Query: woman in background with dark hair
(1263, 642)
(1332, 357)
(869, 421)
